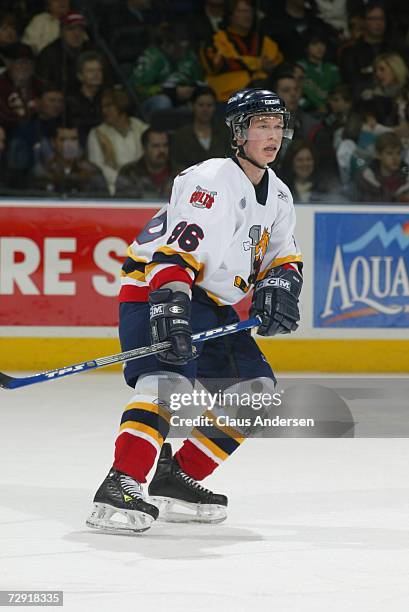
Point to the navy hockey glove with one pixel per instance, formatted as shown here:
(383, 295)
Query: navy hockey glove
(170, 320)
(275, 299)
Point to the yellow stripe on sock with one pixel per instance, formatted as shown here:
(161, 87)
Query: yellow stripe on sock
(216, 450)
(150, 431)
(230, 431)
(150, 408)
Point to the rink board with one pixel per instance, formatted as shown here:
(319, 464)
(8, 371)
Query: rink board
(296, 356)
(59, 265)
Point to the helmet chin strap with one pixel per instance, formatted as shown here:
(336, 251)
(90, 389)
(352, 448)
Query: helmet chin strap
(241, 153)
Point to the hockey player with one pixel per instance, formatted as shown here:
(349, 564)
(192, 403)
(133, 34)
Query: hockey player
(227, 229)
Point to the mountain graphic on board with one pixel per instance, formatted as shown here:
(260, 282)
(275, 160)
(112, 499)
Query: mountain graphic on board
(399, 233)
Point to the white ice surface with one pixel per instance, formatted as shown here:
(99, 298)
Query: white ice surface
(314, 525)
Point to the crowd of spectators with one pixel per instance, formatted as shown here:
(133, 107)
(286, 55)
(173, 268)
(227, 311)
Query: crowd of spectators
(112, 98)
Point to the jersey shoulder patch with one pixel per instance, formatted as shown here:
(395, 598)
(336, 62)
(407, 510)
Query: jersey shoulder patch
(206, 186)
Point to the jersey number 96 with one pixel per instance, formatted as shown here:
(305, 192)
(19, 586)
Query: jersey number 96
(187, 236)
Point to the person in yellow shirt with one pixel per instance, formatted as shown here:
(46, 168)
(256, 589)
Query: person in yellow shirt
(239, 56)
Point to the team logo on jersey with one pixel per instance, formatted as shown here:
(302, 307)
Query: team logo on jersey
(258, 246)
(282, 195)
(202, 198)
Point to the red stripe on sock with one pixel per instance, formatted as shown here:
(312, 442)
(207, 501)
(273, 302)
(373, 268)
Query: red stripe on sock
(194, 462)
(134, 456)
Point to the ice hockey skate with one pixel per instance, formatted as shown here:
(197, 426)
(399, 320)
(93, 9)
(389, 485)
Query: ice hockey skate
(180, 498)
(119, 506)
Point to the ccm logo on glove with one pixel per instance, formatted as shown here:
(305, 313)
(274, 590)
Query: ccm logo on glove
(275, 282)
(275, 300)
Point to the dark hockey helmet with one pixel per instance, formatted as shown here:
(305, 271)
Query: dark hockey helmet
(247, 103)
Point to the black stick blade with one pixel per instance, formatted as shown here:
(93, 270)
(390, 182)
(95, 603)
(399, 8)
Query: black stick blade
(6, 381)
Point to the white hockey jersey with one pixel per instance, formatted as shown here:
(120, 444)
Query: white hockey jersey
(214, 233)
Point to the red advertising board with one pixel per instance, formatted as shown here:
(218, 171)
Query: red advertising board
(59, 263)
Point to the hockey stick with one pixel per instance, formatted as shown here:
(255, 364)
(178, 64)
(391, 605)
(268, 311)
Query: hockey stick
(9, 382)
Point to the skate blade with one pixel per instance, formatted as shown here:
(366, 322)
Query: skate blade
(189, 513)
(125, 521)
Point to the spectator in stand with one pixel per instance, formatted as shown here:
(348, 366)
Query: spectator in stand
(300, 172)
(239, 55)
(285, 84)
(116, 141)
(44, 28)
(165, 75)
(287, 24)
(57, 63)
(355, 33)
(390, 93)
(32, 140)
(203, 137)
(356, 61)
(84, 102)
(321, 76)
(205, 23)
(125, 27)
(152, 176)
(8, 35)
(326, 133)
(68, 172)
(19, 89)
(356, 147)
(386, 178)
